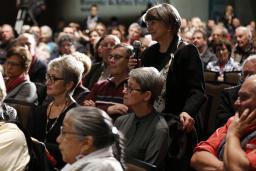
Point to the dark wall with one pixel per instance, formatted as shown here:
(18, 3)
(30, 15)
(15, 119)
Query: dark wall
(8, 12)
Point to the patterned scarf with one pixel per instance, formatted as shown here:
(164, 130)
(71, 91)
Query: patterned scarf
(11, 84)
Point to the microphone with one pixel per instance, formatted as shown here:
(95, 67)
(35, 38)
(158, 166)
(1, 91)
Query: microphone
(136, 49)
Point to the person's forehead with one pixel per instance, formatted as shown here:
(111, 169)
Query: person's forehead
(250, 66)
(198, 34)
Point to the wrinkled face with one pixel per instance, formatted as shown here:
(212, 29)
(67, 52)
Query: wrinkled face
(242, 38)
(66, 47)
(118, 61)
(28, 42)
(134, 33)
(222, 54)
(157, 29)
(44, 35)
(13, 67)
(55, 83)
(198, 40)
(133, 95)
(249, 69)
(246, 96)
(216, 35)
(106, 46)
(69, 143)
(6, 33)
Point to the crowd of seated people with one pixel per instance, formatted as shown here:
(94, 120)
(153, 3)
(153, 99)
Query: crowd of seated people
(94, 66)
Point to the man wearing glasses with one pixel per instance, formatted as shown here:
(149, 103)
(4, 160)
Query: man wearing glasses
(107, 94)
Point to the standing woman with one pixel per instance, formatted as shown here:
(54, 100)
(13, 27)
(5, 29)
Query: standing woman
(87, 139)
(178, 62)
(62, 77)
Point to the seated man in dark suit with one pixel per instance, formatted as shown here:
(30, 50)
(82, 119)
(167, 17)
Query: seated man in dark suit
(229, 95)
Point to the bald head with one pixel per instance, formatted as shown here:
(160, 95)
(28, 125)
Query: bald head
(249, 66)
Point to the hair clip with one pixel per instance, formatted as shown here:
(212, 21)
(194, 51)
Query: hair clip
(114, 130)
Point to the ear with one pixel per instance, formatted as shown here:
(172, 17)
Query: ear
(69, 86)
(87, 145)
(148, 95)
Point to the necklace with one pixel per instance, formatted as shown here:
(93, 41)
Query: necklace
(56, 120)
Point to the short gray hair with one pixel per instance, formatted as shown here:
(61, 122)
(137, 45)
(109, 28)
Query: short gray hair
(70, 69)
(149, 79)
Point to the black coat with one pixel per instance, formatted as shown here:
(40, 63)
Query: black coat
(185, 82)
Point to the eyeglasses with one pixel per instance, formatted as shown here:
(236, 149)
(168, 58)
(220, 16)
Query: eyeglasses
(129, 89)
(13, 64)
(52, 78)
(62, 132)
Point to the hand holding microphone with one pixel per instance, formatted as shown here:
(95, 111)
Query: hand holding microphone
(134, 61)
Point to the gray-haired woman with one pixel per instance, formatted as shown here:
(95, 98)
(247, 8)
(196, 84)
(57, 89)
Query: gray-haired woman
(86, 140)
(145, 131)
(62, 77)
(178, 62)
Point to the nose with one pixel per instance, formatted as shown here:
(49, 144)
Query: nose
(124, 91)
(237, 103)
(58, 139)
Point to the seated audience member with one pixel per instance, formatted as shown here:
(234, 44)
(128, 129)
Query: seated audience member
(86, 141)
(244, 45)
(229, 95)
(94, 36)
(145, 131)
(224, 63)
(13, 146)
(66, 44)
(101, 29)
(80, 91)
(134, 33)
(107, 94)
(62, 77)
(17, 80)
(232, 147)
(38, 68)
(7, 37)
(100, 70)
(7, 112)
(199, 39)
(218, 32)
(46, 39)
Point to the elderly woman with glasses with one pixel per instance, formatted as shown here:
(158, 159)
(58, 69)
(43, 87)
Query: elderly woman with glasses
(87, 139)
(62, 77)
(18, 84)
(145, 131)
